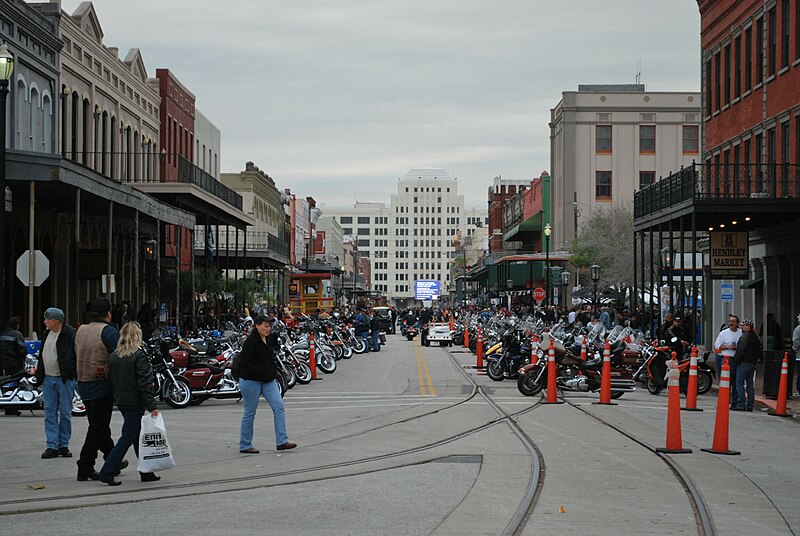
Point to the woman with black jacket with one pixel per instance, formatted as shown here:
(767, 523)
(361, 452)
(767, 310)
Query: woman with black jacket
(257, 370)
(131, 376)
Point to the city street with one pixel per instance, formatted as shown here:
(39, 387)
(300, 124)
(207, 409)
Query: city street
(403, 442)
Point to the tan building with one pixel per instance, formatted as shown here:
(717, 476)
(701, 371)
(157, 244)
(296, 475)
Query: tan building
(608, 141)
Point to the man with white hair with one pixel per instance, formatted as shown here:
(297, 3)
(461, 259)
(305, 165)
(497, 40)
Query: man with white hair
(56, 373)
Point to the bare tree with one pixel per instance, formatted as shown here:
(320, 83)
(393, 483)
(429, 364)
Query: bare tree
(606, 239)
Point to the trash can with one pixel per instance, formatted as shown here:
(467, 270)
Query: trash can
(772, 373)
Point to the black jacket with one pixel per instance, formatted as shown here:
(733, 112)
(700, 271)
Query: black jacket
(748, 349)
(65, 350)
(12, 351)
(257, 360)
(132, 378)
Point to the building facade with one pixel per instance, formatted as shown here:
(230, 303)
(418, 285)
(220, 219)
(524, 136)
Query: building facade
(608, 141)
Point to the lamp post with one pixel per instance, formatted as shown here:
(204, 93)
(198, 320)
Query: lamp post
(258, 273)
(565, 282)
(307, 239)
(547, 232)
(509, 286)
(6, 68)
(594, 271)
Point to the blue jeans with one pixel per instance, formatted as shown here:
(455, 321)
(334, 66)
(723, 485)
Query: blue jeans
(732, 365)
(745, 377)
(128, 436)
(57, 397)
(251, 391)
(367, 342)
(376, 342)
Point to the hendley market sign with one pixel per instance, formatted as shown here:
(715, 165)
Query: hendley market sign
(729, 255)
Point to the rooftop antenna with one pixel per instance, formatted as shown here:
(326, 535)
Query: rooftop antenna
(638, 71)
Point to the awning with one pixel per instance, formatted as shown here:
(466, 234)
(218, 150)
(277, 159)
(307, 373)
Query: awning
(753, 283)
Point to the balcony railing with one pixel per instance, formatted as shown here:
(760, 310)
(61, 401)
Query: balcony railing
(257, 242)
(721, 182)
(146, 166)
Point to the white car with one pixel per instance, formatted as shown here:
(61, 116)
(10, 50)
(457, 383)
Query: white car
(439, 332)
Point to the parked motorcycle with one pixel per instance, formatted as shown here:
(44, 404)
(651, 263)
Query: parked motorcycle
(20, 390)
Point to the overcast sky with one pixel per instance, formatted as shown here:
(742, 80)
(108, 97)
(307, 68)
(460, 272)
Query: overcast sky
(339, 99)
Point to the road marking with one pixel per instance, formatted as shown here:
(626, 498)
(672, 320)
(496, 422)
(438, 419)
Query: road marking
(419, 371)
(431, 388)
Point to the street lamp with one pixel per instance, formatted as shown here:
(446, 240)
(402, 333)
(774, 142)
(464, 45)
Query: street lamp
(307, 240)
(565, 281)
(509, 286)
(547, 232)
(6, 68)
(594, 271)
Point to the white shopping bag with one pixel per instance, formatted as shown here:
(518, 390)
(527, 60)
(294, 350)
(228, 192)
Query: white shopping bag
(154, 451)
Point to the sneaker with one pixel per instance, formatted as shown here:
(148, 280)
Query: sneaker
(736, 408)
(64, 452)
(49, 453)
(286, 446)
(750, 410)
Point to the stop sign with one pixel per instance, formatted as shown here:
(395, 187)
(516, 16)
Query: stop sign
(539, 294)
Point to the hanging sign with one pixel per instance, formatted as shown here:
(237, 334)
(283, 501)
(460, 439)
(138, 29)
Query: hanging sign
(729, 255)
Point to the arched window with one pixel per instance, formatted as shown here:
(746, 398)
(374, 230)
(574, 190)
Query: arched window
(47, 123)
(113, 170)
(87, 114)
(136, 151)
(22, 115)
(128, 155)
(104, 143)
(34, 120)
(74, 127)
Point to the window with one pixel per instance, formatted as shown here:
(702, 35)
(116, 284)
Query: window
(363, 243)
(603, 143)
(345, 220)
(690, 139)
(737, 59)
(646, 178)
(772, 41)
(363, 219)
(363, 231)
(603, 185)
(748, 58)
(797, 29)
(785, 142)
(759, 50)
(717, 78)
(647, 138)
(728, 74)
(347, 230)
(785, 33)
(709, 78)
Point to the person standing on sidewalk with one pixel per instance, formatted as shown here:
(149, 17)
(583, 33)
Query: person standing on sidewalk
(94, 342)
(131, 376)
(56, 374)
(725, 346)
(748, 353)
(256, 372)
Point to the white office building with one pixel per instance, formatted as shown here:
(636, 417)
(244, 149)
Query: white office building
(608, 141)
(412, 238)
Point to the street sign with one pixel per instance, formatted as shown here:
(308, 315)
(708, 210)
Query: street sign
(41, 268)
(555, 295)
(539, 294)
(727, 292)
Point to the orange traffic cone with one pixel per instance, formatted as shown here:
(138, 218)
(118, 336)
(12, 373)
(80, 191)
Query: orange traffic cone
(552, 394)
(783, 390)
(479, 350)
(466, 336)
(583, 350)
(691, 388)
(312, 358)
(720, 444)
(451, 324)
(674, 439)
(605, 378)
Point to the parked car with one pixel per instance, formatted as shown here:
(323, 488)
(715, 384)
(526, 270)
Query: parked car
(384, 315)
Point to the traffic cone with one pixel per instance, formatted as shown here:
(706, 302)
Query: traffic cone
(691, 388)
(674, 439)
(583, 350)
(552, 395)
(451, 324)
(479, 352)
(312, 358)
(466, 337)
(720, 445)
(605, 378)
(783, 390)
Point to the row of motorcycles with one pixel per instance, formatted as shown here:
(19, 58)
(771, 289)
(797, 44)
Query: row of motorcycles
(190, 370)
(517, 349)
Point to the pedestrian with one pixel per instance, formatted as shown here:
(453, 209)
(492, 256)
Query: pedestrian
(725, 347)
(256, 371)
(94, 342)
(12, 352)
(748, 353)
(56, 374)
(131, 377)
(375, 330)
(362, 325)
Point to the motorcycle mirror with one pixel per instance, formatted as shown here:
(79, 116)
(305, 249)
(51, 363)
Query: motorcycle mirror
(674, 339)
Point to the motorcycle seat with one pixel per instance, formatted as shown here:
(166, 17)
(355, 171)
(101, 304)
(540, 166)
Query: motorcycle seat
(594, 361)
(212, 368)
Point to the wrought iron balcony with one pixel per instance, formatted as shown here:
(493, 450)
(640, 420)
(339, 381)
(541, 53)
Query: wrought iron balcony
(258, 242)
(189, 173)
(719, 182)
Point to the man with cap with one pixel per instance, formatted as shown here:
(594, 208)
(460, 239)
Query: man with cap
(56, 374)
(94, 342)
(748, 353)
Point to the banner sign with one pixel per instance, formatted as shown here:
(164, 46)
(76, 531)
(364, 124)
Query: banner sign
(729, 255)
(427, 289)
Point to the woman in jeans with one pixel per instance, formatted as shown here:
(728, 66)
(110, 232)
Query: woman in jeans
(256, 368)
(131, 374)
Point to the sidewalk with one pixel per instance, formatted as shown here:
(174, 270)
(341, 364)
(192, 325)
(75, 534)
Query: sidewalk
(792, 404)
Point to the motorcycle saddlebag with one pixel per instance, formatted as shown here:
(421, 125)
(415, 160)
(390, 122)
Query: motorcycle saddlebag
(629, 357)
(198, 378)
(180, 358)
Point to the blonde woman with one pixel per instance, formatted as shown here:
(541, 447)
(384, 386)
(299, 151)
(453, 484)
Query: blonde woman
(131, 375)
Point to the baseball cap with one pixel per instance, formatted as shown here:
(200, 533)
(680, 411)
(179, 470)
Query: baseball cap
(748, 321)
(54, 313)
